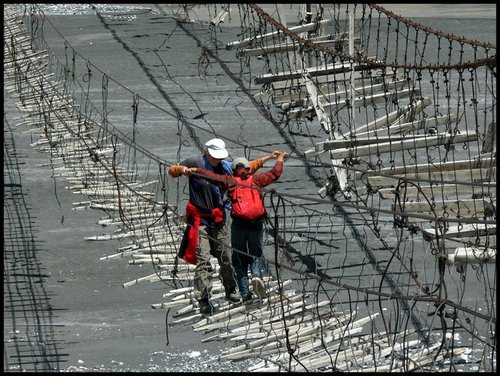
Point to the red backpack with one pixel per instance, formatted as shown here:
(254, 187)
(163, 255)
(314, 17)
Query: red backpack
(247, 202)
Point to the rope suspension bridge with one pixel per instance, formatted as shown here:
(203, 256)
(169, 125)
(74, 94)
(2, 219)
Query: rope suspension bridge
(384, 220)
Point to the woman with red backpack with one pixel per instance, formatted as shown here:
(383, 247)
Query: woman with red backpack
(248, 215)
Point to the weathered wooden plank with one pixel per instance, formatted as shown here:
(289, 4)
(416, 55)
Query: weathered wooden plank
(108, 237)
(476, 229)
(130, 205)
(478, 161)
(113, 192)
(121, 254)
(451, 208)
(27, 59)
(359, 101)
(476, 175)
(275, 346)
(78, 183)
(219, 17)
(263, 309)
(489, 241)
(363, 141)
(275, 333)
(273, 35)
(290, 46)
(325, 83)
(146, 217)
(414, 362)
(409, 143)
(490, 138)
(467, 235)
(329, 69)
(296, 93)
(472, 255)
(426, 124)
(402, 115)
(147, 278)
(445, 191)
(325, 123)
(160, 262)
(315, 359)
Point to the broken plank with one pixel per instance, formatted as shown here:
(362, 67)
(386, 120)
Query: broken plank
(398, 116)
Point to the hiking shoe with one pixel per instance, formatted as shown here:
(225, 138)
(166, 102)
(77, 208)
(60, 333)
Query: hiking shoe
(246, 298)
(206, 308)
(258, 287)
(233, 297)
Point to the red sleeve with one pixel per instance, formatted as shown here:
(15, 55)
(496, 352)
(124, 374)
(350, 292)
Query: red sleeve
(266, 178)
(175, 171)
(220, 179)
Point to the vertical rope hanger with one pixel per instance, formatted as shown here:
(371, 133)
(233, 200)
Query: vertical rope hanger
(135, 112)
(87, 78)
(126, 222)
(103, 130)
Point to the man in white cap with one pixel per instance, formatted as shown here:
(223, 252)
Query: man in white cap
(206, 208)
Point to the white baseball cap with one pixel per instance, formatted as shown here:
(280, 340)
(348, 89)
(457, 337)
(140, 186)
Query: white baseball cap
(217, 148)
